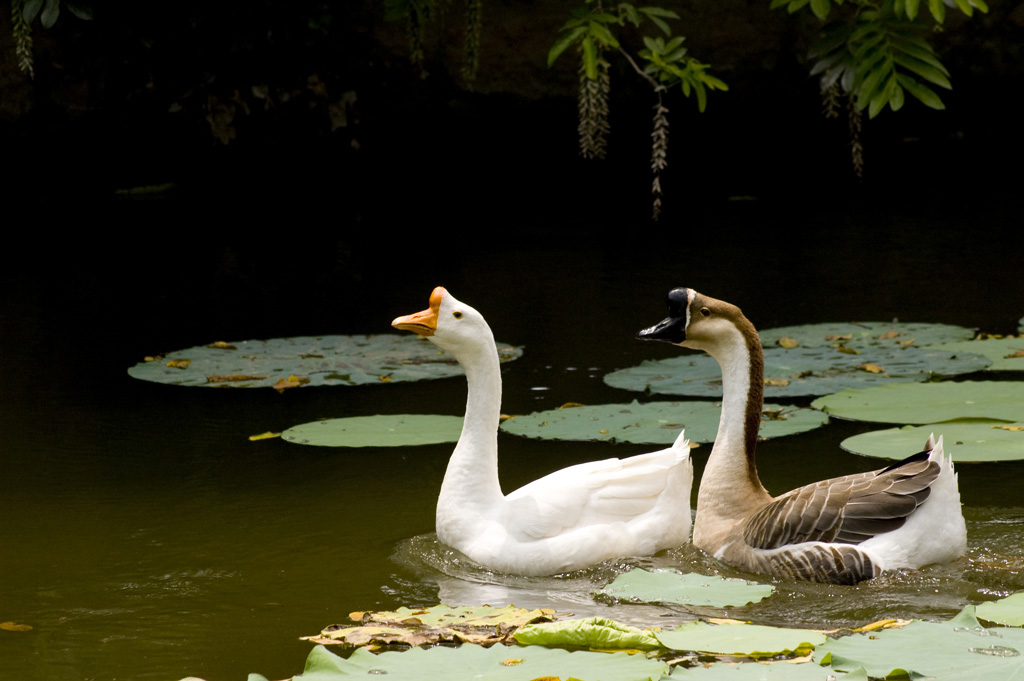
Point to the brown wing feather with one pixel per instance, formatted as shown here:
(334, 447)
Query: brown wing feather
(848, 509)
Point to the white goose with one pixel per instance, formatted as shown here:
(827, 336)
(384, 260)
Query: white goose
(843, 530)
(568, 520)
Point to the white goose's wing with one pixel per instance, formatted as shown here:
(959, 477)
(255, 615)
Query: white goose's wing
(598, 492)
(845, 510)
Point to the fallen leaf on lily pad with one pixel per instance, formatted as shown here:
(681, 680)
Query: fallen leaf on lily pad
(307, 360)
(656, 423)
(383, 430)
(966, 441)
(12, 626)
(669, 586)
(867, 334)
(441, 623)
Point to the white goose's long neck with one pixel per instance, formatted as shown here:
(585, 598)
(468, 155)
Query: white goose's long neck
(471, 481)
(729, 487)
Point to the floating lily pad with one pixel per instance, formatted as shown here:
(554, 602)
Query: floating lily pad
(475, 663)
(306, 360)
(915, 403)
(482, 625)
(783, 670)
(967, 441)
(745, 640)
(862, 335)
(799, 371)
(592, 632)
(959, 649)
(652, 423)
(1007, 611)
(1006, 354)
(669, 586)
(382, 430)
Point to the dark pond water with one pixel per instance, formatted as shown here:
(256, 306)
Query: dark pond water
(144, 537)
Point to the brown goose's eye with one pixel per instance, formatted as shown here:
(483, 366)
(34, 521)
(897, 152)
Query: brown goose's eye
(457, 314)
(705, 312)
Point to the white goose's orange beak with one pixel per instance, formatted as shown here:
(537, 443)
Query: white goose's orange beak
(424, 323)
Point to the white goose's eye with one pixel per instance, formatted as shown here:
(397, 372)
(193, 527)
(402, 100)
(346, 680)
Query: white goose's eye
(457, 314)
(705, 312)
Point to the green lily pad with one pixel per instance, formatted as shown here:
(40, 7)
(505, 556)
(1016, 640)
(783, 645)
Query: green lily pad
(915, 403)
(783, 670)
(959, 649)
(1006, 354)
(306, 360)
(669, 586)
(382, 430)
(591, 632)
(652, 423)
(1007, 611)
(966, 441)
(866, 334)
(476, 663)
(746, 640)
(814, 370)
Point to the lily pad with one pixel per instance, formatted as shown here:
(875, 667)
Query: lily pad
(959, 649)
(814, 370)
(783, 670)
(966, 441)
(1006, 354)
(743, 640)
(915, 403)
(382, 430)
(652, 423)
(306, 360)
(861, 335)
(482, 625)
(591, 632)
(1008, 611)
(669, 586)
(475, 663)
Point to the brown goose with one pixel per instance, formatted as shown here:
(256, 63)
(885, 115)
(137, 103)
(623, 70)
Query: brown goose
(843, 530)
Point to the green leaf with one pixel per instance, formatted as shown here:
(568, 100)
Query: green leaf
(821, 8)
(306, 361)
(1006, 354)
(593, 632)
(926, 71)
(590, 58)
(938, 10)
(385, 430)
(967, 441)
(917, 403)
(51, 10)
(749, 640)
(601, 33)
(920, 92)
(30, 10)
(1008, 611)
(656, 423)
(476, 663)
(957, 650)
(669, 586)
(563, 43)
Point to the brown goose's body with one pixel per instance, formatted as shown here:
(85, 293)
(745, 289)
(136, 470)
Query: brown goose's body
(841, 530)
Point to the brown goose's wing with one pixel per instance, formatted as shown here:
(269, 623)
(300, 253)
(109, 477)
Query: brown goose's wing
(847, 510)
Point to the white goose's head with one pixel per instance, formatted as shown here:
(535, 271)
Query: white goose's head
(699, 322)
(452, 325)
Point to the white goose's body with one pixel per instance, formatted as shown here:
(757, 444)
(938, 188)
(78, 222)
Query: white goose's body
(568, 520)
(842, 530)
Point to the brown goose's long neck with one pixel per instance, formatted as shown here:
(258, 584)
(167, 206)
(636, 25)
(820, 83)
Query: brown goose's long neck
(730, 488)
